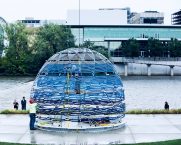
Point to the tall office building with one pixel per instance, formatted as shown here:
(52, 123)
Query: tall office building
(147, 17)
(127, 9)
(176, 18)
(31, 22)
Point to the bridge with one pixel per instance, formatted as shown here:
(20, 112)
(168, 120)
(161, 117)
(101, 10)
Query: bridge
(169, 62)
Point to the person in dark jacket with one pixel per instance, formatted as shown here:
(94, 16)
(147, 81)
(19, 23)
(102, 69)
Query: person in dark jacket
(15, 103)
(166, 106)
(23, 104)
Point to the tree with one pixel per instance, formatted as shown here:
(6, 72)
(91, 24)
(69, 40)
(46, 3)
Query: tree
(130, 48)
(1, 39)
(101, 49)
(49, 40)
(174, 47)
(156, 48)
(17, 50)
(87, 44)
(29, 48)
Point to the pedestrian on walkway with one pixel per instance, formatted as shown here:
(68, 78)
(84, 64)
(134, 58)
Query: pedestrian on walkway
(33, 107)
(15, 103)
(23, 104)
(166, 106)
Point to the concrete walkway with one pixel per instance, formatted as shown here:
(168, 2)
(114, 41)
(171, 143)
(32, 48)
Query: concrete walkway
(139, 128)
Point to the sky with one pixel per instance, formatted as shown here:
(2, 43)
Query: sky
(12, 10)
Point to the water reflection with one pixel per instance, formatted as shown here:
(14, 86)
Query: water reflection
(33, 137)
(110, 137)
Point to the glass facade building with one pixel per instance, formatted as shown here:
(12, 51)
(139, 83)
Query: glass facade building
(111, 37)
(176, 18)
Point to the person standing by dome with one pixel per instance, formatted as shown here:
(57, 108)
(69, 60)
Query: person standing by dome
(33, 108)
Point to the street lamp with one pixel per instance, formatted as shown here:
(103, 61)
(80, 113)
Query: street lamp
(168, 53)
(149, 53)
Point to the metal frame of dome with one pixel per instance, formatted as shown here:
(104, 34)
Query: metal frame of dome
(78, 89)
(2, 21)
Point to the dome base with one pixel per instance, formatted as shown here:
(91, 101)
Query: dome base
(67, 126)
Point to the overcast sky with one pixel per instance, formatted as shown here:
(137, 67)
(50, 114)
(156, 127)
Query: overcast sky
(57, 9)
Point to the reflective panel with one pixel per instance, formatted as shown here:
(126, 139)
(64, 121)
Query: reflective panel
(78, 88)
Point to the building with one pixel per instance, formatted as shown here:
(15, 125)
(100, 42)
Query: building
(112, 36)
(97, 17)
(31, 22)
(128, 10)
(102, 16)
(176, 18)
(147, 17)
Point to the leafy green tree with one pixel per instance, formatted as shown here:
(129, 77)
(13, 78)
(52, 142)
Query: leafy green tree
(17, 50)
(130, 48)
(49, 40)
(28, 49)
(174, 47)
(155, 47)
(1, 38)
(87, 44)
(101, 49)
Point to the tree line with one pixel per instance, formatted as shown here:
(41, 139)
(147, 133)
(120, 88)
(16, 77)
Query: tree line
(151, 48)
(29, 48)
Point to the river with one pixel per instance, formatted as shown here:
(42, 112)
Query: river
(141, 92)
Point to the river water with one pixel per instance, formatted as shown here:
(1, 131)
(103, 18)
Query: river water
(141, 92)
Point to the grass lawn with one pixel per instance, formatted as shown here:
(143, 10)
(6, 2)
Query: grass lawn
(11, 111)
(136, 111)
(171, 142)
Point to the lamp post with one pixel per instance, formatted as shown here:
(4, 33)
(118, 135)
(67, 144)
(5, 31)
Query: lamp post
(168, 53)
(149, 53)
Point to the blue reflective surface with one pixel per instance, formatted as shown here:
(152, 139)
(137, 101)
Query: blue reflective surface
(81, 92)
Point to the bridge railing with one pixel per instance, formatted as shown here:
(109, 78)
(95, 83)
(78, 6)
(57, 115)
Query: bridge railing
(134, 59)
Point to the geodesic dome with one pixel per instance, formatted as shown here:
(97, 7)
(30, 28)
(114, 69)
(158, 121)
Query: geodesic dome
(78, 88)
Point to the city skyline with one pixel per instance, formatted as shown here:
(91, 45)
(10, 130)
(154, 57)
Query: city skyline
(57, 9)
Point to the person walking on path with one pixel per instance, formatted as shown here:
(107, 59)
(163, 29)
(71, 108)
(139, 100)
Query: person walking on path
(33, 107)
(15, 103)
(166, 106)
(23, 104)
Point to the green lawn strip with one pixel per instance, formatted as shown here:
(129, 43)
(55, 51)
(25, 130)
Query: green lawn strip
(170, 142)
(6, 143)
(136, 111)
(149, 111)
(7, 111)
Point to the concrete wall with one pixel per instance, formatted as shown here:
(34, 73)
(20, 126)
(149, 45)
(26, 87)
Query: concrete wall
(141, 69)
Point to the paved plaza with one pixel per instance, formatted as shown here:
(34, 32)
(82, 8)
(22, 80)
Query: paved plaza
(139, 128)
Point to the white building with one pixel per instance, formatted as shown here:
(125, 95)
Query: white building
(31, 22)
(148, 17)
(97, 17)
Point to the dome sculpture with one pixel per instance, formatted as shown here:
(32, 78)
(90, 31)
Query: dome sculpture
(78, 89)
